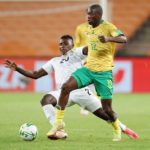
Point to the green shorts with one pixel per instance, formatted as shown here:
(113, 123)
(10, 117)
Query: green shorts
(102, 81)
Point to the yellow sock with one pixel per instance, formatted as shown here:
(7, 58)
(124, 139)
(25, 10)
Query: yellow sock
(115, 124)
(59, 116)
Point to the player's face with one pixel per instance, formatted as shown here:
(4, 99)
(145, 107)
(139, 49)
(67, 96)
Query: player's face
(92, 17)
(65, 45)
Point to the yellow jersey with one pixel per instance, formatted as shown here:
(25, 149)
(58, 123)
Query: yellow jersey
(100, 55)
(80, 35)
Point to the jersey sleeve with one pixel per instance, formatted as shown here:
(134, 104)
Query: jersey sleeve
(79, 52)
(114, 31)
(48, 67)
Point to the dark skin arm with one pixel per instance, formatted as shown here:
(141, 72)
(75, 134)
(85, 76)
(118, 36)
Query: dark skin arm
(104, 39)
(117, 39)
(85, 50)
(31, 74)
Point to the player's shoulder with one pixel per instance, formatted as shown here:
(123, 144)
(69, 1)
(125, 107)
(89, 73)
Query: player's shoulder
(77, 49)
(108, 24)
(73, 51)
(54, 59)
(83, 25)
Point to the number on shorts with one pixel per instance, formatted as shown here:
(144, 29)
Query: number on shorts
(88, 91)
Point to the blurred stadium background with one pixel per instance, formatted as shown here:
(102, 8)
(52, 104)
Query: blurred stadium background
(29, 32)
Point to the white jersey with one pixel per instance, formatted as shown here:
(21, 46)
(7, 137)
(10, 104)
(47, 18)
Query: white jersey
(65, 65)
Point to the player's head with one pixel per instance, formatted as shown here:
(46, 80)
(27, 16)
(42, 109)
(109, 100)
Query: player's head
(65, 43)
(94, 14)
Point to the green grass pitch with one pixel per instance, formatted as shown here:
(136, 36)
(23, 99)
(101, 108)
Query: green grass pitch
(85, 133)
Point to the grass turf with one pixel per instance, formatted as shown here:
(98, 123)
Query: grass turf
(89, 133)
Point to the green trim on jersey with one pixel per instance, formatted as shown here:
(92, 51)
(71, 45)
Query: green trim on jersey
(119, 32)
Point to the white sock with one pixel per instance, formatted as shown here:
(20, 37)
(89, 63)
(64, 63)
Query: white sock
(122, 126)
(49, 112)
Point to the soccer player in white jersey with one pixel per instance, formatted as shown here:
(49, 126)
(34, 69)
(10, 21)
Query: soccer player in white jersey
(63, 66)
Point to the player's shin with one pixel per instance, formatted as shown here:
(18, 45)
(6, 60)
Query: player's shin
(59, 124)
(59, 116)
(49, 112)
(63, 100)
(116, 130)
(101, 114)
(115, 124)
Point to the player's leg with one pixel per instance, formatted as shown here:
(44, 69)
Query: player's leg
(107, 107)
(80, 78)
(70, 85)
(100, 113)
(63, 100)
(67, 87)
(48, 103)
(132, 134)
(84, 111)
(73, 83)
(104, 87)
(85, 98)
(96, 107)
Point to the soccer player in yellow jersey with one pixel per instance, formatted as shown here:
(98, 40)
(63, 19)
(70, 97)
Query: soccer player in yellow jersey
(81, 35)
(102, 37)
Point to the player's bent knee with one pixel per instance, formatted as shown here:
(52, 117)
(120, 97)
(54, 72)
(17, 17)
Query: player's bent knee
(48, 99)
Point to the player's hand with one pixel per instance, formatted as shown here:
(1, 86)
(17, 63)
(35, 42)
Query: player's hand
(103, 38)
(11, 65)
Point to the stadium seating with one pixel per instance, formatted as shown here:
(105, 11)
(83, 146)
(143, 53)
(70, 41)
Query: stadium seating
(130, 14)
(33, 28)
(139, 43)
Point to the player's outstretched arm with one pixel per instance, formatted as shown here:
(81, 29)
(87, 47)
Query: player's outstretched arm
(31, 74)
(117, 39)
(11, 65)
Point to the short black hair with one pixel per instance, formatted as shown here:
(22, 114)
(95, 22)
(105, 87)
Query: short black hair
(67, 36)
(97, 7)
